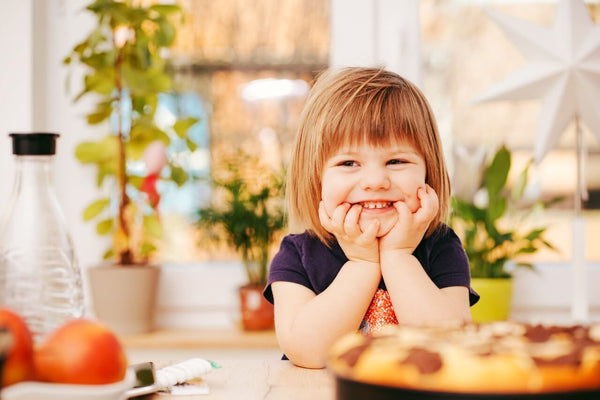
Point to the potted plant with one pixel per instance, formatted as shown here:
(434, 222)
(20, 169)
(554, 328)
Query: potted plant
(494, 236)
(247, 214)
(125, 74)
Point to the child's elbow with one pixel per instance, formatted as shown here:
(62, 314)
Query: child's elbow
(301, 350)
(307, 361)
(304, 357)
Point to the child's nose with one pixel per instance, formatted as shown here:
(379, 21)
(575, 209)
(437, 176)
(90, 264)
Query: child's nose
(375, 179)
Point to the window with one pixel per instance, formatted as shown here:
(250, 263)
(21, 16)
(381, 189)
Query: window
(245, 71)
(464, 53)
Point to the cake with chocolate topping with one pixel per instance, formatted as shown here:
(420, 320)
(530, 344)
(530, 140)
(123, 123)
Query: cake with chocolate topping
(492, 358)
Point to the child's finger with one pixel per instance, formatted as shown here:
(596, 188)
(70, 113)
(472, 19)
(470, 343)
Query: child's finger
(429, 203)
(370, 232)
(351, 227)
(403, 210)
(339, 214)
(324, 217)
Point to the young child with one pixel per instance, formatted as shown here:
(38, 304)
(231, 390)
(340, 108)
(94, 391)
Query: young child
(369, 189)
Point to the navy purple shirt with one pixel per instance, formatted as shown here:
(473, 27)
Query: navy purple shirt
(305, 260)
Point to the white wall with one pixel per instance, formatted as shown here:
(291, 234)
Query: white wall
(377, 33)
(37, 35)
(15, 82)
(63, 23)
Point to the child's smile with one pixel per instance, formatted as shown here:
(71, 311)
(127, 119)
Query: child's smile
(376, 205)
(374, 178)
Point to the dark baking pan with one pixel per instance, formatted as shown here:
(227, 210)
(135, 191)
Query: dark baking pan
(352, 390)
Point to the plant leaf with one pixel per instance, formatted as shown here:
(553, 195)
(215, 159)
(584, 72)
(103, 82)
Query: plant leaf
(497, 172)
(521, 183)
(178, 175)
(135, 181)
(496, 209)
(95, 208)
(105, 226)
(98, 117)
(166, 33)
(166, 9)
(110, 253)
(147, 249)
(97, 152)
(182, 126)
(191, 145)
(152, 226)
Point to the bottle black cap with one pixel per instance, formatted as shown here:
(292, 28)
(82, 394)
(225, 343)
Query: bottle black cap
(34, 144)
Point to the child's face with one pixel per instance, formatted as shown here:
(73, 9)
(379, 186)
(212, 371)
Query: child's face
(375, 178)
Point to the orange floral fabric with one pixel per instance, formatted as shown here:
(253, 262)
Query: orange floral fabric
(379, 314)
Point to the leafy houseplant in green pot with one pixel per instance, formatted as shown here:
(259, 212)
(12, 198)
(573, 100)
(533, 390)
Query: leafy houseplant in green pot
(493, 237)
(125, 73)
(247, 215)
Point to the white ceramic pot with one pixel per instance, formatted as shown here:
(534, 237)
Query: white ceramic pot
(124, 297)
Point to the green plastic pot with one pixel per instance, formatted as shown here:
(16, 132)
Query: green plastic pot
(496, 299)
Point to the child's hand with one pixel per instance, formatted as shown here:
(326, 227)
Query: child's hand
(410, 228)
(343, 224)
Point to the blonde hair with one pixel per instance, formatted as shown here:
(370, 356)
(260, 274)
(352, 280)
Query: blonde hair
(353, 106)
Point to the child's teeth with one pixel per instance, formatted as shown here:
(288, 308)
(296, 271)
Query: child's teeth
(379, 204)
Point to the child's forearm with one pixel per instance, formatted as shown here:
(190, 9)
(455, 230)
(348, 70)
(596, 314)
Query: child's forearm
(308, 335)
(416, 299)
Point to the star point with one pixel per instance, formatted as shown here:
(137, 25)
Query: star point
(563, 70)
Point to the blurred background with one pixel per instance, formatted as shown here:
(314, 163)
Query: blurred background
(244, 69)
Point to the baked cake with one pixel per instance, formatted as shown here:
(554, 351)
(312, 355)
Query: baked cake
(492, 358)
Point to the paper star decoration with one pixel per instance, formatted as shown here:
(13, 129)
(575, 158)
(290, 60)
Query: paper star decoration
(563, 69)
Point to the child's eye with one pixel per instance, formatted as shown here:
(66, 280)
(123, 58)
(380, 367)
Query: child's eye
(347, 163)
(396, 161)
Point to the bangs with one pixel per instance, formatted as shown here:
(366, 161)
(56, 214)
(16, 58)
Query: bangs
(376, 116)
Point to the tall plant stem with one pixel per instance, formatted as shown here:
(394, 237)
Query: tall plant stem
(125, 256)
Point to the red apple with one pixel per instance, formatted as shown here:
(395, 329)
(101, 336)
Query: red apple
(18, 365)
(82, 352)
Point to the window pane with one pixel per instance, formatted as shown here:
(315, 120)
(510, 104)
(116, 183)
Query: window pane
(246, 70)
(464, 54)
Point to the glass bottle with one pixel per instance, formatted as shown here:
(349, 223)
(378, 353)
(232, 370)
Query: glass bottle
(39, 274)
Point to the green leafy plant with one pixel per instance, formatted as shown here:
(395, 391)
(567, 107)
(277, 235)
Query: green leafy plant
(247, 211)
(488, 243)
(125, 73)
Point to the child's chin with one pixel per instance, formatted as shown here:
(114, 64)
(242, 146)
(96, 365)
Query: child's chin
(384, 230)
(385, 226)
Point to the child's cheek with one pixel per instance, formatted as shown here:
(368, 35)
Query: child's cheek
(413, 201)
(413, 204)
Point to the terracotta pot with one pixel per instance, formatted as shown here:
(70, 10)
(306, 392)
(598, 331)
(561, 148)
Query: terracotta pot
(124, 297)
(257, 313)
(496, 299)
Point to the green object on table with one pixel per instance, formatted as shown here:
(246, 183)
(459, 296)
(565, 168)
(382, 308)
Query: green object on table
(144, 374)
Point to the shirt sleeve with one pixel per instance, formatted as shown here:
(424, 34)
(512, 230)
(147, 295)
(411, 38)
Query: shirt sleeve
(287, 266)
(450, 264)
